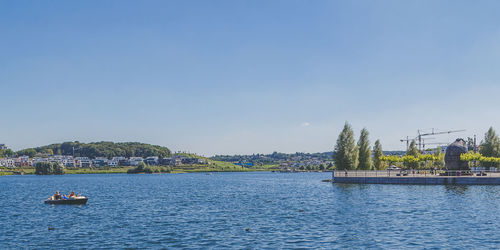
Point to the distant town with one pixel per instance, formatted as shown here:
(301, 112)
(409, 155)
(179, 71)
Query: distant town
(300, 161)
(70, 161)
(83, 161)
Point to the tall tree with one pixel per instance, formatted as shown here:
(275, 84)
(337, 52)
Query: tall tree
(439, 162)
(365, 153)
(377, 153)
(470, 144)
(6, 152)
(413, 151)
(490, 147)
(345, 154)
(46, 168)
(29, 152)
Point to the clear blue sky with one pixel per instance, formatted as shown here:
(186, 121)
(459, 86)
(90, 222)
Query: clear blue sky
(240, 77)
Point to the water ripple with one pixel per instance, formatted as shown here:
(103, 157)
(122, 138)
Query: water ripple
(244, 210)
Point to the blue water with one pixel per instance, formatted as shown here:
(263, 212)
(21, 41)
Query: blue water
(213, 211)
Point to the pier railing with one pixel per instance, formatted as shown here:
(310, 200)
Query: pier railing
(416, 173)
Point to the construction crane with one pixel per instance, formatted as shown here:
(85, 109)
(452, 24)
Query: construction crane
(408, 140)
(420, 138)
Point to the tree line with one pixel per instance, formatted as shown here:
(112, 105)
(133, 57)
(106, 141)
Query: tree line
(488, 155)
(273, 158)
(7, 153)
(351, 155)
(147, 169)
(99, 149)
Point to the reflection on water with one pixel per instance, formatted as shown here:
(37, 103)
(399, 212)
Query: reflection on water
(457, 189)
(350, 186)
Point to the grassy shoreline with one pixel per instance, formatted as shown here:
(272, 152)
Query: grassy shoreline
(209, 166)
(123, 170)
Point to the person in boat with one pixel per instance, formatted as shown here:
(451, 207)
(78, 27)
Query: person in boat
(57, 196)
(72, 195)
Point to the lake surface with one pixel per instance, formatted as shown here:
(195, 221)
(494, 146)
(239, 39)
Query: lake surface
(281, 210)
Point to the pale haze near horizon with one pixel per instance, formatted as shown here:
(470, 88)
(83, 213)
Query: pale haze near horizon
(243, 77)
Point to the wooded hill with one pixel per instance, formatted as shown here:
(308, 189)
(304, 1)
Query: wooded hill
(99, 149)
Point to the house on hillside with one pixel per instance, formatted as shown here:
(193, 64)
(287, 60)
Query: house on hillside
(7, 162)
(69, 162)
(83, 162)
(23, 161)
(65, 160)
(38, 160)
(166, 161)
(118, 161)
(152, 160)
(100, 161)
(118, 158)
(134, 161)
(176, 160)
(189, 160)
(114, 163)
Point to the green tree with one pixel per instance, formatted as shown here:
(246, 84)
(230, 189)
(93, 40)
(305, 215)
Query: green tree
(322, 166)
(377, 153)
(141, 166)
(439, 163)
(470, 144)
(9, 152)
(365, 153)
(330, 166)
(103, 149)
(58, 168)
(49, 168)
(490, 147)
(345, 154)
(412, 151)
(29, 152)
(6, 152)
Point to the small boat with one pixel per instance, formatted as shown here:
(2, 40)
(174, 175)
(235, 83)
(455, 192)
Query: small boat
(80, 200)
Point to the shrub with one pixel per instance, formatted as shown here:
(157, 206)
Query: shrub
(49, 168)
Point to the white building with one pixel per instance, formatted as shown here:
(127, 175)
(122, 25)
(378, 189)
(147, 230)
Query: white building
(65, 160)
(39, 159)
(100, 161)
(7, 162)
(113, 163)
(25, 161)
(152, 160)
(83, 162)
(134, 161)
(119, 158)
